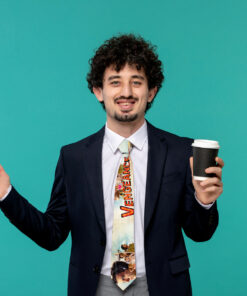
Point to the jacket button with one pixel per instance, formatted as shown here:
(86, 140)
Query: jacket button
(102, 242)
(96, 269)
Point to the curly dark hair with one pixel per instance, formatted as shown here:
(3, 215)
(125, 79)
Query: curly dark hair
(118, 267)
(122, 49)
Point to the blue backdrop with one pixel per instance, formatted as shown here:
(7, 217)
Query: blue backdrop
(45, 103)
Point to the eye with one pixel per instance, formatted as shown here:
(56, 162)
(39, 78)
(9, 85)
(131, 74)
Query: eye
(137, 83)
(115, 82)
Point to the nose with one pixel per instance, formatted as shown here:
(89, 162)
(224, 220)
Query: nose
(126, 279)
(126, 90)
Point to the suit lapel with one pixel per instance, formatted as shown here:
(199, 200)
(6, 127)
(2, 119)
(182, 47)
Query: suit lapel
(157, 152)
(93, 164)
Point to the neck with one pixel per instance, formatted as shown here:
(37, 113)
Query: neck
(125, 129)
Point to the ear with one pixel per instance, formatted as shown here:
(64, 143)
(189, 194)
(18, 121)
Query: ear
(151, 93)
(98, 93)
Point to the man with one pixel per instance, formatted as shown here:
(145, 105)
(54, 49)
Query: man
(128, 162)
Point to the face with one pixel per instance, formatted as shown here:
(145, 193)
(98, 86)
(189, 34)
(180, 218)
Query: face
(125, 94)
(125, 276)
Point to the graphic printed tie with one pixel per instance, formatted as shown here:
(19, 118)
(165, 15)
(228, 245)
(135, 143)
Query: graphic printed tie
(123, 268)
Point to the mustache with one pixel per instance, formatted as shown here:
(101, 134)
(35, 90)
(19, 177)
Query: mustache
(125, 98)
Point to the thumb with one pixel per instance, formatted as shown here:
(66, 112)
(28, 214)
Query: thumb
(2, 169)
(191, 165)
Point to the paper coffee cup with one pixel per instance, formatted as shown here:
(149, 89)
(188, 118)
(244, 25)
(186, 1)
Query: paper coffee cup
(204, 153)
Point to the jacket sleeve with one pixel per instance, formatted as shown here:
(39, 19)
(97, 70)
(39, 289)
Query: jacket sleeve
(198, 223)
(49, 229)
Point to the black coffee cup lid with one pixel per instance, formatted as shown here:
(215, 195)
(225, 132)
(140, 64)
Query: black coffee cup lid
(206, 144)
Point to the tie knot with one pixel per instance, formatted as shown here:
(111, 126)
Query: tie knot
(125, 147)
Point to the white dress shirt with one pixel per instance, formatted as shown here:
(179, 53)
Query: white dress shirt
(111, 157)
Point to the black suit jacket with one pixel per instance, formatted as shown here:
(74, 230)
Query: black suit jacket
(77, 205)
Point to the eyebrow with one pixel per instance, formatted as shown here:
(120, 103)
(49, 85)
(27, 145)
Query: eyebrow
(138, 77)
(118, 76)
(113, 77)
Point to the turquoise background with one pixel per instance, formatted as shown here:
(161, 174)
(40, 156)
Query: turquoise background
(45, 103)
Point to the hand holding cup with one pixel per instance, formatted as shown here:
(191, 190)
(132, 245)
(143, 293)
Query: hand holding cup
(206, 169)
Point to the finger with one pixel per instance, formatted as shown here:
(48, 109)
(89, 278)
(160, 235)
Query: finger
(220, 161)
(191, 164)
(211, 181)
(214, 170)
(213, 189)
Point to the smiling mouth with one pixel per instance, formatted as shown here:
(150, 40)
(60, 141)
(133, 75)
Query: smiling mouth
(126, 105)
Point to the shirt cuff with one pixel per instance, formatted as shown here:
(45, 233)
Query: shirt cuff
(9, 189)
(207, 207)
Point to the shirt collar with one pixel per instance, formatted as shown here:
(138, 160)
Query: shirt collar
(137, 139)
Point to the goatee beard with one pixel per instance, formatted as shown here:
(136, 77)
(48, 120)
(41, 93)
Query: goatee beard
(125, 118)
